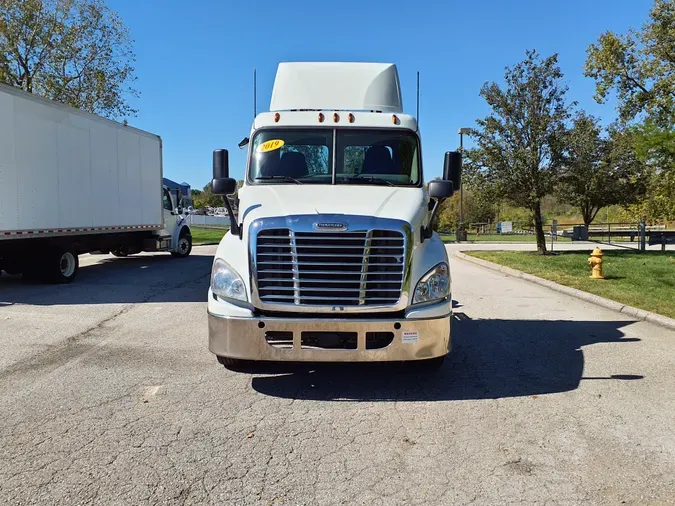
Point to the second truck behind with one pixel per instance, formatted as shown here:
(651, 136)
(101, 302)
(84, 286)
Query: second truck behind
(72, 182)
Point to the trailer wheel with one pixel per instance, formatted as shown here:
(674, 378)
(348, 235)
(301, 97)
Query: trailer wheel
(61, 266)
(122, 251)
(184, 246)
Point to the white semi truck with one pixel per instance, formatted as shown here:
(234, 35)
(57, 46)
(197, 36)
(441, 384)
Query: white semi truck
(332, 257)
(72, 183)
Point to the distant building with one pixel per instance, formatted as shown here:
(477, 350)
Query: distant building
(184, 189)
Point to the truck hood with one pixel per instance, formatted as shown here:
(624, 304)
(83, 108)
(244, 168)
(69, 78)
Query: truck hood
(258, 201)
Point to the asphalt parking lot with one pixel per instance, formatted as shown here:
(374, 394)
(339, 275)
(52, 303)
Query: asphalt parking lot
(110, 396)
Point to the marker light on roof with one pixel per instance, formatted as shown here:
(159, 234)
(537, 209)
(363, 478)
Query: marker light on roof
(321, 117)
(336, 117)
(351, 118)
(394, 119)
(277, 116)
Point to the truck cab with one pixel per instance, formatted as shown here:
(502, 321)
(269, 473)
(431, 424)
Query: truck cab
(332, 257)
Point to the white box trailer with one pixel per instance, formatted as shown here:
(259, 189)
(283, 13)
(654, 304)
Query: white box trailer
(72, 182)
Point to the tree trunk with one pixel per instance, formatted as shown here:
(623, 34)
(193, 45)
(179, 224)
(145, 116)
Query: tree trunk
(586, 215)
(539, 229)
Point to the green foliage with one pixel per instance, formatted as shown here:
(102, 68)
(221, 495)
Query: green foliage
(509, 212)
(480, 203)
(476, 210)
(206, 198)
(599, 172)
(447, 218)
(639, 67)
(659, 203)
(74, 51)
(483, 195)
(655, 147)
(520, 144)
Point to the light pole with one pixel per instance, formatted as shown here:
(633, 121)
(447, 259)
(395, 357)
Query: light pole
(462, 235)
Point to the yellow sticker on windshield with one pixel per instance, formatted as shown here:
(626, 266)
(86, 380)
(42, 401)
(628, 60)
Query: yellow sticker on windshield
(270, 145)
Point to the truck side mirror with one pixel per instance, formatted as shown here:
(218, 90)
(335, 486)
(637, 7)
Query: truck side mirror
(221, 164)
(441, 189)
(223, 184)
(452, 169)
(438, 191)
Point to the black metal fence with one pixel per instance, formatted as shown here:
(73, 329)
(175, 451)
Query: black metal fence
(626, 234)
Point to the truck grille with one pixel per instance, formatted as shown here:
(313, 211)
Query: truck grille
(331, 268)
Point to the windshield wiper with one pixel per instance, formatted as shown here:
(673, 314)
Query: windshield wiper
(278, 177)
(370, 179)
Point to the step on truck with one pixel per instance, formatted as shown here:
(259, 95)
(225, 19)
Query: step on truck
(72, 183)
(332, 257)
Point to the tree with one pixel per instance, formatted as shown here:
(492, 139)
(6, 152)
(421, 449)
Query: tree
(599, 172)
(480, 202)
(483, 201)
(655, 147)
(74, 51)
(206, 198)
(639, 67)
(476, 210)
(520, 142)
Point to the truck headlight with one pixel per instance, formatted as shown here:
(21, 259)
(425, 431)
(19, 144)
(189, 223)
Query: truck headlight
(226, 283)
(434, 285)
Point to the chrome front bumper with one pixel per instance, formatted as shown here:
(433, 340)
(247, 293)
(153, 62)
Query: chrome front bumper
(244, 338)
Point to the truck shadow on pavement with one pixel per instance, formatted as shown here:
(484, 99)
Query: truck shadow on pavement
(491, 359)
(130, 280)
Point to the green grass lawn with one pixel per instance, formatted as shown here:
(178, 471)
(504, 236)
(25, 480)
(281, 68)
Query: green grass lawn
(207, 235)
(643, 280)
(500, 238)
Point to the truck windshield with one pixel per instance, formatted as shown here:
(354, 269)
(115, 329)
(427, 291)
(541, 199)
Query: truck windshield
(387, 157)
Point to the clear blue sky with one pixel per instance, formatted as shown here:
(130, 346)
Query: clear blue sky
(195, 60)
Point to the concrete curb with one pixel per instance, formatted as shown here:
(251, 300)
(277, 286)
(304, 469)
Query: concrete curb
(639, 314)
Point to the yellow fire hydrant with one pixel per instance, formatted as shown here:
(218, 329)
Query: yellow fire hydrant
(595, 261)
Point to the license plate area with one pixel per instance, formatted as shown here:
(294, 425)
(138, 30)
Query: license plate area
(328, 340)
(324, 340)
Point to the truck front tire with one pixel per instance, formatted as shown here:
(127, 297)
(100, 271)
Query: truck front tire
(184, 246)
(429, 365)
(233, 364)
